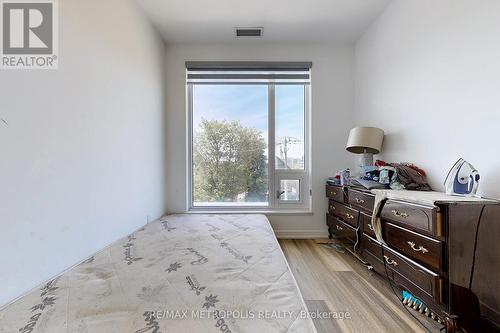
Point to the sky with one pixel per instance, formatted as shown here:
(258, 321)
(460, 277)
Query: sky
(248, 104)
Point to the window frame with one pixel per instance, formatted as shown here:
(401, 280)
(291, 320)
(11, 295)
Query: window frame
(274, 205)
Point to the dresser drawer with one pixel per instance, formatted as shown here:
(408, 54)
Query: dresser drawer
(362, 201)
(335, 193)
(334, 208)
(412, 275)
(424, 219)
(366, 222)
(344, 212)
(371, 252)
(425, 250)
(377, 265)
(372, 246)
(341, 230)
(349, 215)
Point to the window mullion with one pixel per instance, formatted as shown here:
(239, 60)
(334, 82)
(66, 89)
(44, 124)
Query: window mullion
(271, 147)
(190, 136)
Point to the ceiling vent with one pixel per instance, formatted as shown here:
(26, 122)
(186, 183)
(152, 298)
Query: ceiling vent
(248, 32)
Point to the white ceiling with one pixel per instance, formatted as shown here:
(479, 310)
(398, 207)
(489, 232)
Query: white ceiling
(184, 21)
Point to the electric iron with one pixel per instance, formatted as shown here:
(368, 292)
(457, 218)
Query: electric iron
(462, 179)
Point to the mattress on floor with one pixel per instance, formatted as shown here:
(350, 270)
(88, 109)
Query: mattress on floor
(182, 273)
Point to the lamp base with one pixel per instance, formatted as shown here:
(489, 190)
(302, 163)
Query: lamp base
(366, 159)
(364, 163)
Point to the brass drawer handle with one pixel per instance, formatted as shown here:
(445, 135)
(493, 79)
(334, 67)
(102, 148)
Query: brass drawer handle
(389, 261)
(419, 249)
(396, 213)
(339, 228)
(360, 201)
(370, 227)
(332, 207)
(349, 216)
(332, 194)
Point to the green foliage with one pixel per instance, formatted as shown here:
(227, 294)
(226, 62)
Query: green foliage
(229, 160)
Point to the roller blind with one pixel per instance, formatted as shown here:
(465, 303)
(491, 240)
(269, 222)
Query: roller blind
(248, 72)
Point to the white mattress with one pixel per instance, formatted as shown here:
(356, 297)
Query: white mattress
(182, 273)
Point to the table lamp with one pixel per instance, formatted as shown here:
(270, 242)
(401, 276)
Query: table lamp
(365, 141)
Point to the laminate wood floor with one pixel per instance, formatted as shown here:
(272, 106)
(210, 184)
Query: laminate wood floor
(337, 282)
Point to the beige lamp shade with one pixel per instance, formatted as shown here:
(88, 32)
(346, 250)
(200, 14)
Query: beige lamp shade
(365, 140)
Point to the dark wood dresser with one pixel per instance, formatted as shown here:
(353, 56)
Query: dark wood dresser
(430, 251)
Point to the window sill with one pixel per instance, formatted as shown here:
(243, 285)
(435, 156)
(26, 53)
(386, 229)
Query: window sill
(265, 212)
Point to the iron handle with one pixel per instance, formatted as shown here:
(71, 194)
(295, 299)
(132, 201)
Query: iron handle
(279, 194)
(339, 228)
(396, 213)
(389, 261)
(360, 201)
(349, 216)
(419, 249)
(370, 227)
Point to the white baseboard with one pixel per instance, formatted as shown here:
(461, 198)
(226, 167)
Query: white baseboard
(301, 234)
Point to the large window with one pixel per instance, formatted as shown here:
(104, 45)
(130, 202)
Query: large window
(249, 137)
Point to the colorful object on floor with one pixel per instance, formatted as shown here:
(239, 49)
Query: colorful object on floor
(416, 304)
(462, 179)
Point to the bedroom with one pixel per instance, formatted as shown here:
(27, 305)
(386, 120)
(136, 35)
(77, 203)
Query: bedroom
(100, 137)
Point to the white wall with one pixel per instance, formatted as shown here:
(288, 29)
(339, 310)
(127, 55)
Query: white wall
(82, 159)
(332, 103)
(428, 72)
